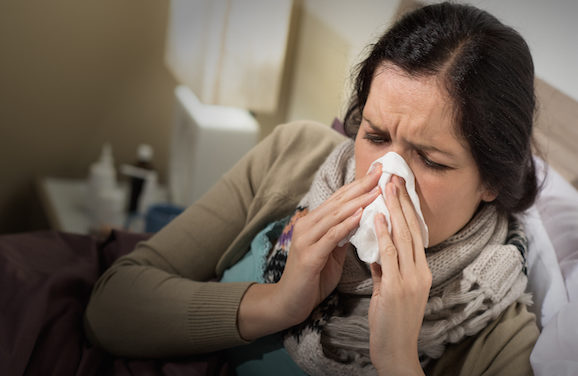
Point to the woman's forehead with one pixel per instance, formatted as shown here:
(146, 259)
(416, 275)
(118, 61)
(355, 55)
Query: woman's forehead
(420, 106)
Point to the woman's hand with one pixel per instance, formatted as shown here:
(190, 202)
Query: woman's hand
(400, 287)
(314, 263)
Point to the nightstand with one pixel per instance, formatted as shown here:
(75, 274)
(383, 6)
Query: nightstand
(64, 202)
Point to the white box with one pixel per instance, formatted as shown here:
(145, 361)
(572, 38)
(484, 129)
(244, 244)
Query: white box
(207, 140)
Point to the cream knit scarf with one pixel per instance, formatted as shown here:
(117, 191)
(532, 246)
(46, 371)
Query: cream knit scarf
(477, 274)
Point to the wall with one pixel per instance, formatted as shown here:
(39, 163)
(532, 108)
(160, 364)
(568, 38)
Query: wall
(332, 40)
(328, 38)
(551, 31)
(74, 74)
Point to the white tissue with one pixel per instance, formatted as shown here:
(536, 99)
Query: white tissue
(365, 238)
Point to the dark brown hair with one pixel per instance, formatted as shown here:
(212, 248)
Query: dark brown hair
(488, 72)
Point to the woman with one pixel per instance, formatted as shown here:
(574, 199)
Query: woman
(450, 89)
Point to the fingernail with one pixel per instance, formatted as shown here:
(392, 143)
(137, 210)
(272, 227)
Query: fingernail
(371, 169)
(374, 169)
(374, 190)
(392, 189)
(357, 212)
(399, 180)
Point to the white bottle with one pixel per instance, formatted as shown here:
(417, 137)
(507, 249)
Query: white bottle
(105, 198)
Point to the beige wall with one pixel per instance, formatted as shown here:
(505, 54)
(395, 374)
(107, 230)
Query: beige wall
(74, 74)
(333, 36)
(328, 38)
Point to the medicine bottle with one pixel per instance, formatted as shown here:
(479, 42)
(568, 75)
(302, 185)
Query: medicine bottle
(143, 162)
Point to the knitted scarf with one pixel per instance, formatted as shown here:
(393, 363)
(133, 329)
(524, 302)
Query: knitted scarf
(477, 273)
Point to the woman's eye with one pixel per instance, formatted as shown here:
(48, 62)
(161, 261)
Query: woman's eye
(375, 138)
(431, 164)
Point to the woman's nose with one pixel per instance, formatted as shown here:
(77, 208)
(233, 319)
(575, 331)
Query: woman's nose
(399, 149)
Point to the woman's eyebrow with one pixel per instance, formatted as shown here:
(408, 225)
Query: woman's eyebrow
(430, 148)
(414, 145)
(374, 127)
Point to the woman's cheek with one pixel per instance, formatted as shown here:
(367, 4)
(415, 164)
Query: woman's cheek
(363, 161)
(430, 191)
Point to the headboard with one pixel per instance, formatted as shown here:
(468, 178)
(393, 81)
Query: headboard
(556, 130)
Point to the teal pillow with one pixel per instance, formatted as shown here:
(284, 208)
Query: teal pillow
(250, 268)
(265, 356)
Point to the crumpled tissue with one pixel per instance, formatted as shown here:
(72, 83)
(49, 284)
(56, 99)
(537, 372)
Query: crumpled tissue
(364, 238)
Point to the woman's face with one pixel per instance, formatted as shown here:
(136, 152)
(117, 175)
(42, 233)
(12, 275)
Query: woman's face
(413, 117)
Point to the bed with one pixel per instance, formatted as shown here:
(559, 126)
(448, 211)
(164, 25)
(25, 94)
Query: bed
(553, 225)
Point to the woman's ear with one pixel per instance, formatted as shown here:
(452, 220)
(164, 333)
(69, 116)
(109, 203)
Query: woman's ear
(489, 194)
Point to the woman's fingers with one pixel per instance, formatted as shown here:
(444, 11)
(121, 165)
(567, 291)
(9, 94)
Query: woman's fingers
(412, 221)
(338, 232)
(413, 264)
(401, 233)
(387, 251)
(340, 206)
(315, 228)
(315, 262)
(401, 287)
(349, 192)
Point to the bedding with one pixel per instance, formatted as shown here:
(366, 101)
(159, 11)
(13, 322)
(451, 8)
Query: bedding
(553, 274)
(46, 280)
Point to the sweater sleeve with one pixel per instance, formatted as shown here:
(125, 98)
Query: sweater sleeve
(155, 302)
(502, 348)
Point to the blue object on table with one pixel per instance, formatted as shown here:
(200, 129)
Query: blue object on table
(159, 215)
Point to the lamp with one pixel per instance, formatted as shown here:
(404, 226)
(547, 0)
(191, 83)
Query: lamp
(228, 56)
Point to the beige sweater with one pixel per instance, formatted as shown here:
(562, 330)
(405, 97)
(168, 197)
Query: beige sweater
(154, 302)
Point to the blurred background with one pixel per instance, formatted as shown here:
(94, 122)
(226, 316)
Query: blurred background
(77, 74)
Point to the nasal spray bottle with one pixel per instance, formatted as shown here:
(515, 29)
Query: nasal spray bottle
(105, 198)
